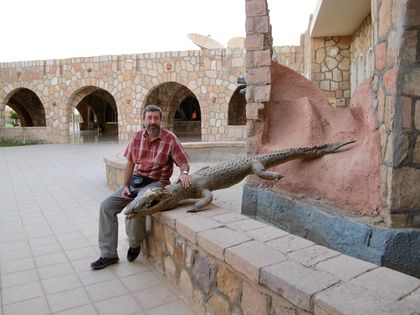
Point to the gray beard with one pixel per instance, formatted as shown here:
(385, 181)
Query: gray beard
(152, 129)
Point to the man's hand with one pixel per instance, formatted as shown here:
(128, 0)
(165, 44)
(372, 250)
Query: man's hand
(185, 180)
(126, 194)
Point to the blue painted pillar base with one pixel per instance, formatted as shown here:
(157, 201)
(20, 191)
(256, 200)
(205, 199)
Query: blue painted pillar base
(398, 249)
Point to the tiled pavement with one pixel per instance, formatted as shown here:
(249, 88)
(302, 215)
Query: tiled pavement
(49, 199)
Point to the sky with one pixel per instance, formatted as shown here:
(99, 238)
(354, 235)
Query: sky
(55, 29)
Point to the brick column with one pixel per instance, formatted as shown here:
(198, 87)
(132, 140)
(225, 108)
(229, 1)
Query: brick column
(396, 92)
(258, 45)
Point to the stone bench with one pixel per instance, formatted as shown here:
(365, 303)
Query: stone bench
(228, 263)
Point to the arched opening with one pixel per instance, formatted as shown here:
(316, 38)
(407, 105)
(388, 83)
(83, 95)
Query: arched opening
(94, 117)
(370, 63)
(237, 108)
(181, 110)
(353, 75)
(360, 69)
(28, 108)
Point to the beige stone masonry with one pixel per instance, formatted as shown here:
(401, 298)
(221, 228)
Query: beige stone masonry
(264, 270)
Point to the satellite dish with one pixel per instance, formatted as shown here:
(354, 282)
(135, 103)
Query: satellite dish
(204, 42)
(236, 42)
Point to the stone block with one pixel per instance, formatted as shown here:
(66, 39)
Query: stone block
(228, 283)
(351, 299)
(253, 302)
(262, 24)
(413, 16)
(169, 217)
(406, 111)
(259, 75)
(417, 115)
(380, 53)
(254, 42)
(252, 110)
(345, 267)
(411, 84)
(405, 188)
(387, 283)
(384, 18)
(185, 284)
(215, 241)
(290, 243)
(267, 234)
(229, 217)
(248, 258)
(189, 226)
(262, 58)
(250, 25)
(295, 282)
(262, 93)
(203, 273)
(217, 305)
(170, 270)
(390, 80)
(313, 255)
(255, 8)
(246, 225)
(416, 153)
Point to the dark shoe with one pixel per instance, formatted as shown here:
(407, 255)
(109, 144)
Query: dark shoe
(133, 253)
(103, 262)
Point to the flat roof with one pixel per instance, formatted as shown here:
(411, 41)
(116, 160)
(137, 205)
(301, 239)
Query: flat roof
(338, 17)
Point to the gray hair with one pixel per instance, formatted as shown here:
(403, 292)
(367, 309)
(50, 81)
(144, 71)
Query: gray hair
(152, 108)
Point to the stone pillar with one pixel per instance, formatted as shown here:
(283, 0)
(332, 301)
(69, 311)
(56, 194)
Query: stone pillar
(396, 91)
(258, 45)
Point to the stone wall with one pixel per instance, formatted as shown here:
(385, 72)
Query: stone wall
(330, 70)
(396, 100)
(24, 133)
(290, 56)
(361, 53)
(60, 85)
(226, 264)
(258, 45)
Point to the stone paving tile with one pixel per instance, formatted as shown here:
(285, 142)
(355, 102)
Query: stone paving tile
(37, 306)
(48, 238)
(122, 305)
(155, 296)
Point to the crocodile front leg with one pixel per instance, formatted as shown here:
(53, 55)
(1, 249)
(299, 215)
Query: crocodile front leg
(207, 199)
(259, 170)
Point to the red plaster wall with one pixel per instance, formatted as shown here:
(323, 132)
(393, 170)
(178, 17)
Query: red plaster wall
(299, 115)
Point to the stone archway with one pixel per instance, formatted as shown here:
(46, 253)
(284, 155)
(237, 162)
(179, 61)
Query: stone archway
(237, 108)
(98, 111)
(181, 109)
(28, 107)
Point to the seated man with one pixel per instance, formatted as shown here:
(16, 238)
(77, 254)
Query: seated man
(150, 157)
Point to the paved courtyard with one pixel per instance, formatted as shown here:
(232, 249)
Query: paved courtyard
(49, 200)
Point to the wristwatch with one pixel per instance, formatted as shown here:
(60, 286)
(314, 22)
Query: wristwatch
(184, 172)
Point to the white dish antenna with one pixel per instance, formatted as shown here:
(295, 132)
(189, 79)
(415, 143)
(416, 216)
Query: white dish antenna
(204, 42)
(236, 42)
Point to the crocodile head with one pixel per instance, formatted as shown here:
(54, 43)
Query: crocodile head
(153, 200)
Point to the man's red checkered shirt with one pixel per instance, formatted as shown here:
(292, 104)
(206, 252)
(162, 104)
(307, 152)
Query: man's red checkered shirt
(155, 158)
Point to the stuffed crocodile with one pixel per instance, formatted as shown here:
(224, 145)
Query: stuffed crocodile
(221, 176)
